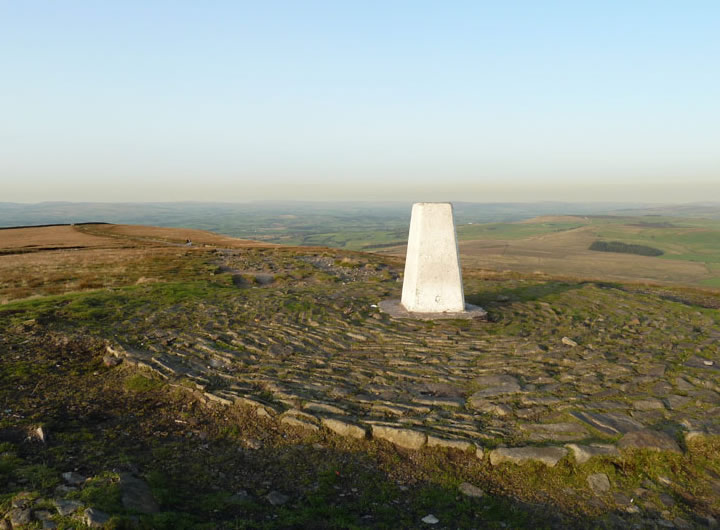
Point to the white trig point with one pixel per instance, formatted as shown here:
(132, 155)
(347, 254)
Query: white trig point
(433, 280)
(432, 287)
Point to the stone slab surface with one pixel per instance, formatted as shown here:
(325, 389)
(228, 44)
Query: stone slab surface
(395, 309)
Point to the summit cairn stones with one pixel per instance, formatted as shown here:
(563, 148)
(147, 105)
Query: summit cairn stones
(432, 285)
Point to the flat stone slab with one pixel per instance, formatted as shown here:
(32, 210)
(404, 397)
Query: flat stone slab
(519, 455)
(609, 423)
(406, 438)
(344, 428)
(460, 445)
(647, 439)
(395, 309)
(495, 385)
(583, 453)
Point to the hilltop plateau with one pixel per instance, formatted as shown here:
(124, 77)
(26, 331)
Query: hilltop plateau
(173, 378)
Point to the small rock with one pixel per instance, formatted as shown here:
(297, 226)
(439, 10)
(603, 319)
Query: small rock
(22, 500)
(111, 361)
(66, 507)
(469, 490)
(136, 495)
(709, 521)
(72, 478)
(488, 407)
(568, 341)
(495, 385)
(39, 435)
(240, 496)
(5, 524)
(430, 519)
(253, 443)
(43, 515)
(95, 518)
(583, 453)
(276, 498)
(19, 516)
(682, 523)
(599, 482)
(647, 439)
(49, 525)
(648, 404)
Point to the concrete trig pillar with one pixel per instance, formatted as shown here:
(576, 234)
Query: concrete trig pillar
(433, 279)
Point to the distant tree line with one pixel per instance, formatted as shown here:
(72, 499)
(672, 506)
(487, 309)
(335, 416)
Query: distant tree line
(624, 248)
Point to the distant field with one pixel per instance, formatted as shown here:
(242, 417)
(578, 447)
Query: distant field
(559, 245)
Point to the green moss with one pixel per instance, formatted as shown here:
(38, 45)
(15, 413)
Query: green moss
(141, 383)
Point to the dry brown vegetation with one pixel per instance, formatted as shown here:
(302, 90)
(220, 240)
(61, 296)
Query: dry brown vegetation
(62, 259)
(566, 254)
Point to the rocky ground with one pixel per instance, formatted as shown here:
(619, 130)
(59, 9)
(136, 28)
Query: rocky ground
(576, 404)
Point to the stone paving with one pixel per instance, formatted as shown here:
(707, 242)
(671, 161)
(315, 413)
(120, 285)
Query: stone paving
(587, 366)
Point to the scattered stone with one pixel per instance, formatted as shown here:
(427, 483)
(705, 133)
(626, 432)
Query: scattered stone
(568, 342)
(95, 518)
(430, 519)
(111, 361)
(253, 443)
(39, 435)
(599, 483)
(519, 455)
(469, 490)
(495, 385)
(42, 515)
(583, 453)
(460, 445)
(74, 479)
(483, 405)
(276, 498)
(23, 499)
(19, 517)
(648, 404)
(406, 438)
(559, 432)
(344, 428)
(136, 495)
(675, 402)
(610, 423)
(647, 439)
(67, 507)
(324, 407)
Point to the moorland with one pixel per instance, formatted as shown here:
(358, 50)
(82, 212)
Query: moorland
(174, 378)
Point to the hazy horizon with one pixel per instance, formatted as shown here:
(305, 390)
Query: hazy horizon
(408, 101)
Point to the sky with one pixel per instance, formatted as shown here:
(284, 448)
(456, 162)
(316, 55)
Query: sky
(484, 101)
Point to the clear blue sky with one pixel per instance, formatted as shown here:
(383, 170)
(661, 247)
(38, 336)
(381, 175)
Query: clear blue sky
(415, 100)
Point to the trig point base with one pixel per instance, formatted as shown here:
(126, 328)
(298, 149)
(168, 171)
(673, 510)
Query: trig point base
(432, 286)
